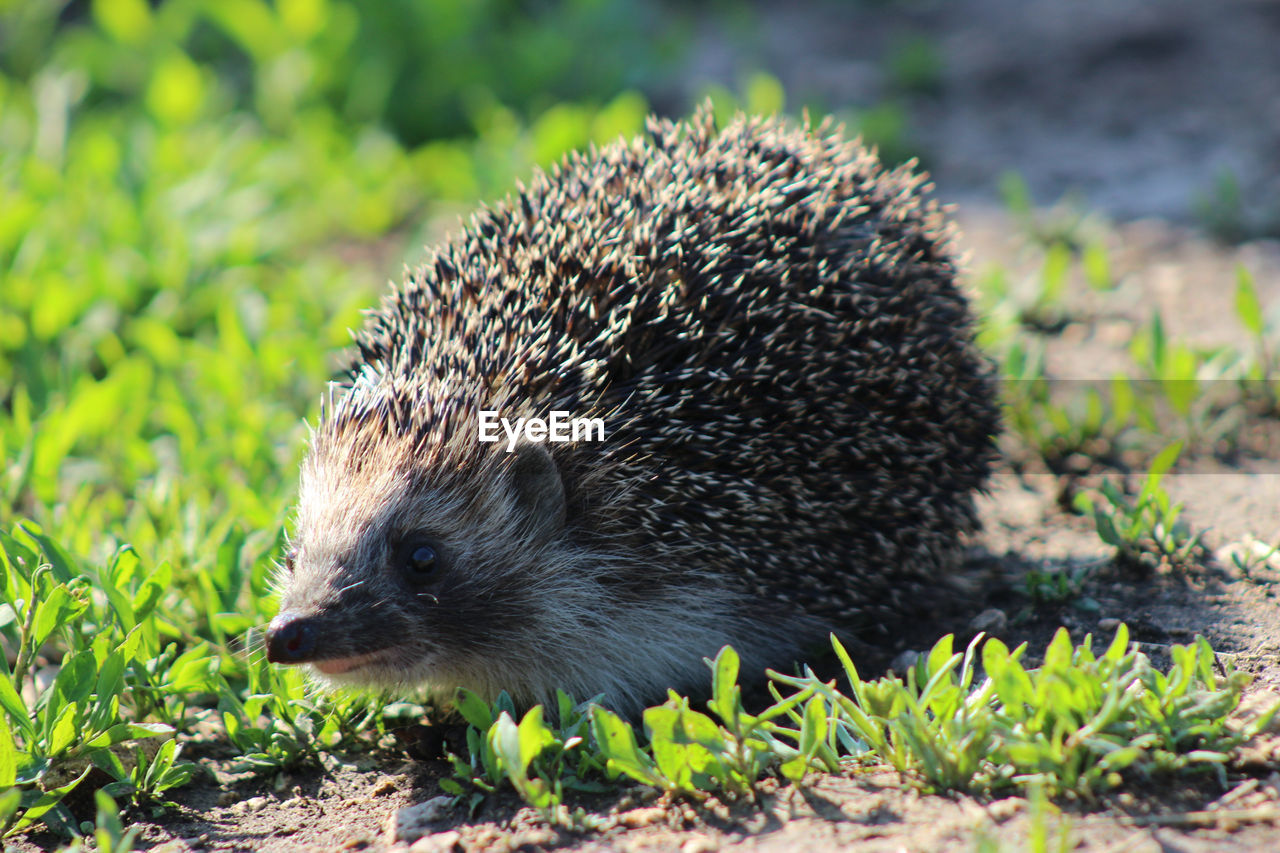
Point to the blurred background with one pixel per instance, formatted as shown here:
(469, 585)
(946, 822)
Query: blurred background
(1168, 108)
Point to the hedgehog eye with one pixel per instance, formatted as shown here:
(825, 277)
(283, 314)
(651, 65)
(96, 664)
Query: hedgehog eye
(421, 561)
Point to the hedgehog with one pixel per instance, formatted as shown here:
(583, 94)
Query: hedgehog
(796, 421)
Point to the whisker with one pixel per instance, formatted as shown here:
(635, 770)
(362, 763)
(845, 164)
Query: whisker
(351, 586)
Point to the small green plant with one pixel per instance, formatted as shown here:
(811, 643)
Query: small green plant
(1055, 587)
(87, 714)
(541, 761)
(885, 128)
(1063, 223)
(149, 776)
(693, 751)
(1061, 418)
(915, 66)
(1249, 555)
(1043, 835)
(1146, 530)
(1076, 725)
(1046, 312)
(685, 751)
(1259, 376)
(280, 724)
(690, 752)
(109, 832)
(1221, 209)
(1197, 392)
(1174, 366)
(1040, 301)
(1095, 263)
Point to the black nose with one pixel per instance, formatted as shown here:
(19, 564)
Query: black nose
(291, 639)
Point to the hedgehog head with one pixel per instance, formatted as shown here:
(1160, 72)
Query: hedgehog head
(418, 553)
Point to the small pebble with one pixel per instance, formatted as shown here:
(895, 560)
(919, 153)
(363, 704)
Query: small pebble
(251, 805)
(173, 845)
(539, 837)
(700, 844)
(1002, 810)
(413, 822)
(904, 661)
(383, 787)
(440, 842)
(990, 621)
(637, 818)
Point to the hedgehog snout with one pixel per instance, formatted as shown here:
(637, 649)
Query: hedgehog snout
(292, 638)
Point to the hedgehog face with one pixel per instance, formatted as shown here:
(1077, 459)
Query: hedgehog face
(401, 575)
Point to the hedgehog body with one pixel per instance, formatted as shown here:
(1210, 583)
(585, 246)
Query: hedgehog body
(796, 421)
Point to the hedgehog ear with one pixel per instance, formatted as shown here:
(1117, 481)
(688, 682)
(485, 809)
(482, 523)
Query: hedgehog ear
(539, 490)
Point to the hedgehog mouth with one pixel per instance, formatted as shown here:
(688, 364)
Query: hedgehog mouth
(338, 666)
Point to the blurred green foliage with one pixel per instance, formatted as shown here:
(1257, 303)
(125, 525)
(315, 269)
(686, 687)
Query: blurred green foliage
(424, 69)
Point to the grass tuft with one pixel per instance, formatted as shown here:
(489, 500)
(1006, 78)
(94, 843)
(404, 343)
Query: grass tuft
(978, 721)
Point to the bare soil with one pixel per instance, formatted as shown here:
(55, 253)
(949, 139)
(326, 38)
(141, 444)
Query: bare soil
(1135, 107)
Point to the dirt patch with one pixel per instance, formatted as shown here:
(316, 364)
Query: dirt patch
(1137, 107)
